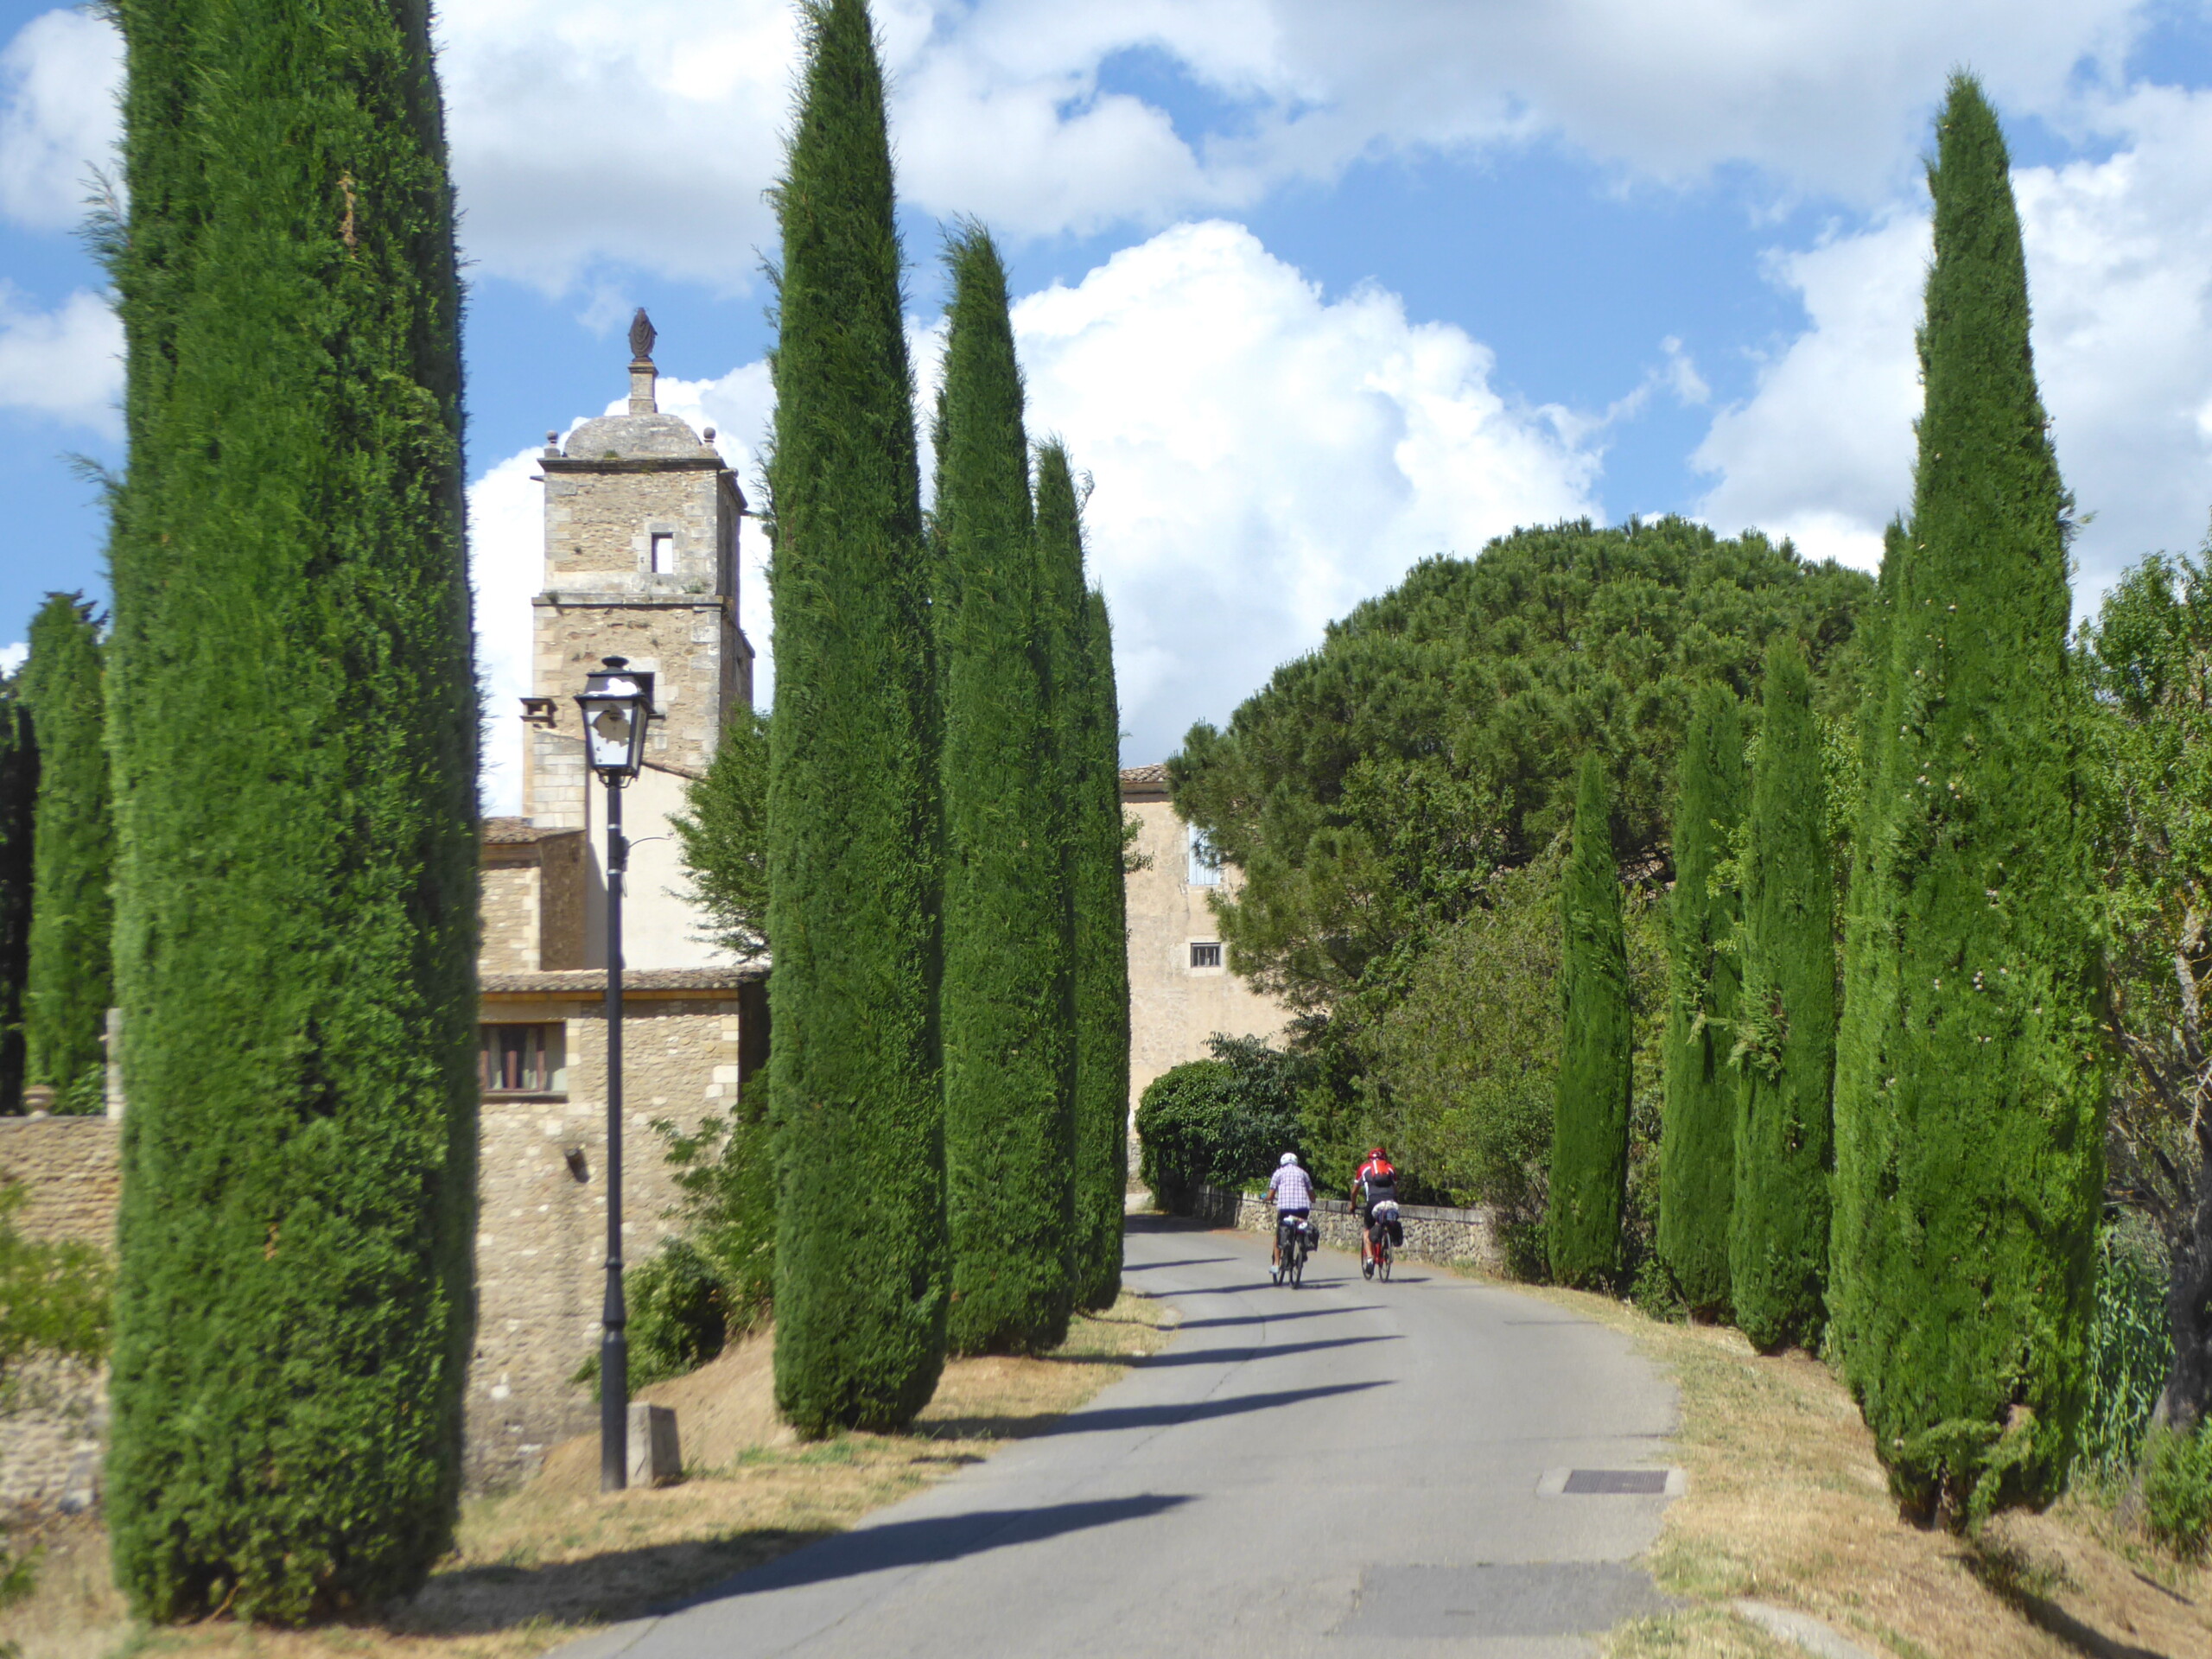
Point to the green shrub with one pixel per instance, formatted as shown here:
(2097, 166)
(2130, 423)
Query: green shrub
(2130, 1347)
(1222, 1122)
(2178, 1489)
(679, 1314)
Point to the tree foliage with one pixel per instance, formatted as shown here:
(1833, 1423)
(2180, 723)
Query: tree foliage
(854, 842)
(723, 838)
(1368, 791)
(1590, 1124)
(294, 724)
(1969, 1093)
(1697, 1154)
(1008, 996)
(70, 978)
(18, 798)
(1090, 740)
(1783, 1042)
(1224, 1121)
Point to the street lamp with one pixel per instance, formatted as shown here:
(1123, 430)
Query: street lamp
(617, 702)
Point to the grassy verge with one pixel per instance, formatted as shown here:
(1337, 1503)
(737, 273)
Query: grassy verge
(1788, 1504)
(539, 1565)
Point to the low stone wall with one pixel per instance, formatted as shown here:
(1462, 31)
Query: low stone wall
(54, 1430)
(1432, 1234)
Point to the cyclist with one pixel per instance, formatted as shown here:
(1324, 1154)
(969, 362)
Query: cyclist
(1376, 1186)
(1290, 1189)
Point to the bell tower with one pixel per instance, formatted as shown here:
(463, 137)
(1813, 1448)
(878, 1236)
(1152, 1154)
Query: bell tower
(642, 518)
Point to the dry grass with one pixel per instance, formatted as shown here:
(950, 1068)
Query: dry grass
(1788, 1504)
(536, 1566)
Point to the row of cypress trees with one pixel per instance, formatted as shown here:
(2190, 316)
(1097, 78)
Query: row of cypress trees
(950, 996)
(1937, 1213)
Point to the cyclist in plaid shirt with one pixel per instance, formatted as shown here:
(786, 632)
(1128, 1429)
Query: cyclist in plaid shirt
(1290, 1189)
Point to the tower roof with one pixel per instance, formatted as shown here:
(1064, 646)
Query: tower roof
(643, 433)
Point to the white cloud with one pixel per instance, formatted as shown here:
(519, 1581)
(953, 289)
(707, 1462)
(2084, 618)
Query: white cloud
(58, 81)
(65, 364)
(2120, 270)
(1266, 458)
(14, 656)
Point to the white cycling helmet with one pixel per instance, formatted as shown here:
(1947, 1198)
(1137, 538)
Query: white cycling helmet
(1287, 1161)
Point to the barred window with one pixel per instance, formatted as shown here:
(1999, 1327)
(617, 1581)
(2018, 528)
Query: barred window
(1205, 954)
(522, 1059)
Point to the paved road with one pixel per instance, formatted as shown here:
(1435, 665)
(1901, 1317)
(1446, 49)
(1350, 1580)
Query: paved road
(1302, 1472)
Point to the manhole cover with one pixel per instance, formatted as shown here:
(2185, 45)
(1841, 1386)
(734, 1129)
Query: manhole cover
(1611, 1483)
(1522, 1599)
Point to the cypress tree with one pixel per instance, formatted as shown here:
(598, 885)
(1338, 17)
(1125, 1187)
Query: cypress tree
(1970, 1083)
(1785, 1048)
(1009, 1055)
(294, 726)
(1091, 736)
(1697, 1145)
(1589, 1172)
(18, 790)
(854, 832)
(70, 979)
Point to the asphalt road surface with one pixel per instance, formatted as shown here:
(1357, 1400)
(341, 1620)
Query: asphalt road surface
(1429, 1467)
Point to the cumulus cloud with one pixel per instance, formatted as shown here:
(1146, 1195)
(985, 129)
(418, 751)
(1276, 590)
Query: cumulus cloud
(1265, 458)
(14, 656)
(2120, 271)
(58, 82)
(66, 363)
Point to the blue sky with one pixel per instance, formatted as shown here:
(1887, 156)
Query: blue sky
(1313, 290)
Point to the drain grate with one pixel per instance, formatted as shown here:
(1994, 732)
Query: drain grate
(1616, 1483)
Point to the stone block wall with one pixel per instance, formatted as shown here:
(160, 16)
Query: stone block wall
(1432, 1234)
(541, 1236)
(53, 1427)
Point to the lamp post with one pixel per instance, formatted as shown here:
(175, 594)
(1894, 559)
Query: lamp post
(617, 702)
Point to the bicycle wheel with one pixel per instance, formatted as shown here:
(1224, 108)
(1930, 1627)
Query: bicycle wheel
(1386, 1261)
(1298, 1266)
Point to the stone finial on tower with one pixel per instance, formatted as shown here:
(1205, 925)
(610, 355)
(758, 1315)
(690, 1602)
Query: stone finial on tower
(642, 372)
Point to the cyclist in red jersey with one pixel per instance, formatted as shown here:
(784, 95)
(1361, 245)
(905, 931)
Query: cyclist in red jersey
(1376, 1183)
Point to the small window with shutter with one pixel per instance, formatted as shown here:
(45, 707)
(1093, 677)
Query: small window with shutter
(522, 1059)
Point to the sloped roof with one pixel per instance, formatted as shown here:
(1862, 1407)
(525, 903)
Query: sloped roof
(592, 982)
(510, 832)
(1145, 780)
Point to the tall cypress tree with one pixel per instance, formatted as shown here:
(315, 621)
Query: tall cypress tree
(1091, 727)
(293, 731)
(1970, 1083)
(18, 792)
(1009, 1053)
(70, 979)
(1697, 1145)
(1785, 1033)
(854, 832)
(1589, 1173)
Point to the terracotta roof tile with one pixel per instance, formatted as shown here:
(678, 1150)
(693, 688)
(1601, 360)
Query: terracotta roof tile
(590, 981)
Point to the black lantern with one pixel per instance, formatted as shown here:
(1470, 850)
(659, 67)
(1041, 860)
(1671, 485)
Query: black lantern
(618, 703)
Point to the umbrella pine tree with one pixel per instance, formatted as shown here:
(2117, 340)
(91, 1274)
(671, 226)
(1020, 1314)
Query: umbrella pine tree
(1589, 1168)
(854, 832)
(70, 980)
(293, 722)
(1785, 1037)
(1970, 1080)
(1008, 1011)
(1697, 1145)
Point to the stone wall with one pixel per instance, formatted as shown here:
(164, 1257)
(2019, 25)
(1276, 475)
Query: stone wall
(541, 1237)
(1432, 1234)
(532, 887)
(1173, 1006)
(53, 1429)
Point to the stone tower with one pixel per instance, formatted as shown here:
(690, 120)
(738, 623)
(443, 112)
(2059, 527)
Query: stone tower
(641, 545)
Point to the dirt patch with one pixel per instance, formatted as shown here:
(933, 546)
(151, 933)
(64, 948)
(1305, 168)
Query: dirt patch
(537, 1565)
(1788, 1504)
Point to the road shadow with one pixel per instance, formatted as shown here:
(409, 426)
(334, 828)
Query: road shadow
(1103, 1418)
(1213, 1356)
(1271, 1319)
(1188, 1262)
(923, 1543)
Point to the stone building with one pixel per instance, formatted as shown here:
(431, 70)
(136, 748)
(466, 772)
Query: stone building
(642, 519)
(1180, 989)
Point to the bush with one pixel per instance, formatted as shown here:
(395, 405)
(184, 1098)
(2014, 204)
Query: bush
(2178, 1489)
(2130, 1347)
(679, 1316)
(1222, 1122)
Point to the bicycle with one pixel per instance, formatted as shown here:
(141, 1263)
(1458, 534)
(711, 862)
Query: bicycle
(1291, 1248)
(1377, 1265)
